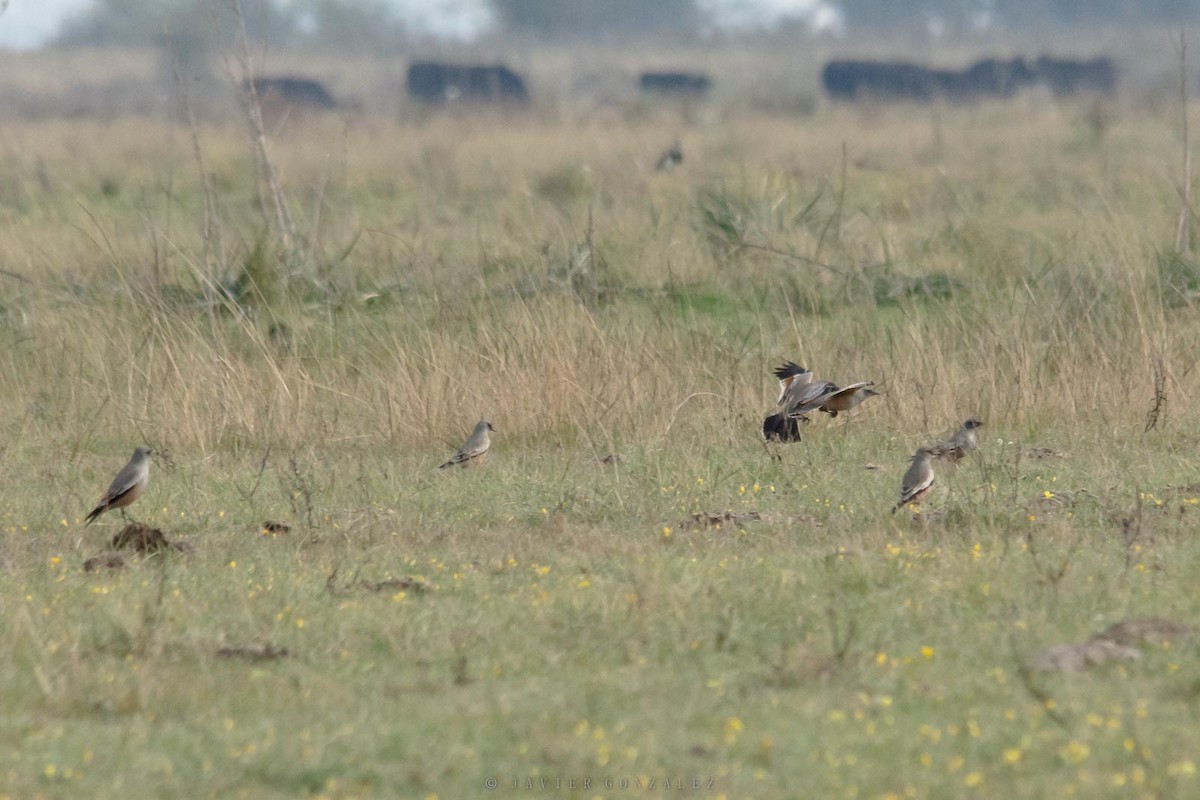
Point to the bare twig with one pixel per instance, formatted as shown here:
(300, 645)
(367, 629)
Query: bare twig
(835, 219)
(1183, 237)
(210, 230)
(262, 467)
(1036, 692)
(249, 94)
(840, 641)
(1131, 528)
(1160, 396)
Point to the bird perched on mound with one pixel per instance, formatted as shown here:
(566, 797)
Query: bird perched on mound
(474, 448)
(127, 486)
(800, 394)
(917, 481)
(671, 158)
(965, 440)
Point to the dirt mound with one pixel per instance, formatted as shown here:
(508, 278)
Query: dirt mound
(104, 561)
(256, 651)
(1117, 642)
(1138, 632)
(720, 519)
(141, 538)
(409, 583)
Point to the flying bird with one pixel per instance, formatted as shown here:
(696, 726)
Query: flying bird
(965, 440)
(127, 486)
(800, 394)
(847, 397)
(917, 481)
(795, 384)
(474, 448)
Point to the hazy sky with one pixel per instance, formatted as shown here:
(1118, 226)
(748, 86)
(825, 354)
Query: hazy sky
(28, 23)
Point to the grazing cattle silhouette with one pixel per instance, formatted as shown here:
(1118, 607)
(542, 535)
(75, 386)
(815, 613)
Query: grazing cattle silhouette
(682, 83)
(986, 78)
(889, 80)
(293, 91)
(1066, 76)
(994, 77)
(437, 84)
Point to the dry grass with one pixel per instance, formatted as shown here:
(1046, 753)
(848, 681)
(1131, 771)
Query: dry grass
(1007, 261)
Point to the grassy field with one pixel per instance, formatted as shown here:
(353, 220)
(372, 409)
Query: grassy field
(558, 613)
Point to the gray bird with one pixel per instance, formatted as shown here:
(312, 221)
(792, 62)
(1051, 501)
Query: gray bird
(127, 486)
(917, 481)
(794, 381)
(474, 448)
(847, 397)
(965, 440)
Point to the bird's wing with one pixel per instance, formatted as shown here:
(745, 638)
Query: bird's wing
(789, 375)
(129, 475)
(918, 478)
(790, 369)
(808, 396)
(475, 445)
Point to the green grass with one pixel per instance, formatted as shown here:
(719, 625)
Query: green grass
(565, 617)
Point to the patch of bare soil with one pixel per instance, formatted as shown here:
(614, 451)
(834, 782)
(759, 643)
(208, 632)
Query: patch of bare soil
(715, 520)
(104, 561)
(720, 519)
(409, 583)
(257, 651)
(1143, 631)
(406, 584)
(1117, 642)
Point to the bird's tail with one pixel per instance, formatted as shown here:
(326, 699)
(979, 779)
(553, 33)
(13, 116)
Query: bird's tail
(97, 511)
(781, 427)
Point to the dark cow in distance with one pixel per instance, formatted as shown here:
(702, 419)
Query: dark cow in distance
(1067, 76)
(986, 78)
(680, 83)
(289, 90)
(902, 80)
(437, 84)
(994, 77)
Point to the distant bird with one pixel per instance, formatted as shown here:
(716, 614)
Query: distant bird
(917, 481)
(671, 158)
(474, 448)
(847, 397)
(965, 440)
(127, 486)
